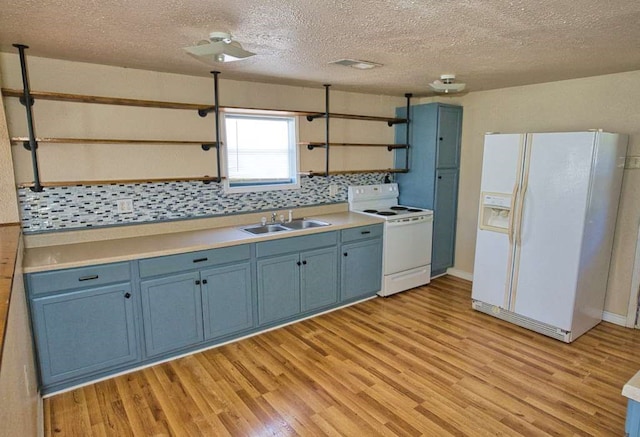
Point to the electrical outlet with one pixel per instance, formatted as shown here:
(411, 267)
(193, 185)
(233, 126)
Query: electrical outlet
(333, 190)
(632, 162)
(124, 206)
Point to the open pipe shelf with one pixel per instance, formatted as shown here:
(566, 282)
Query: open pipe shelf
(28, 97)
(327, 144)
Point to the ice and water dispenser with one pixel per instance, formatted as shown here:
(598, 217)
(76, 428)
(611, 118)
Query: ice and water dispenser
(495, 212)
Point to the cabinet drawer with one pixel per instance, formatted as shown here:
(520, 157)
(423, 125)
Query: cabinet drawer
(193, 260)
(296, 244)
(362, 233)
(46, 282)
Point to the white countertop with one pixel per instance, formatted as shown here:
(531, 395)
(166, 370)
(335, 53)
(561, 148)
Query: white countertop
(64, 256)
(632, 388)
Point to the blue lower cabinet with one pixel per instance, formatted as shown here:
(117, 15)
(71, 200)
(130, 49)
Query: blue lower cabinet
(296, 283)
(278, 288)
(361, 269)
(444, 222)
(227, 300)
(172, 313)
(319, 278)
(84, 332)
(87, 322)
(632, 424)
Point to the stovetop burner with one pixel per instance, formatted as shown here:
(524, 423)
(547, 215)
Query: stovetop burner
(413, 210)
(370, 211)
(398, 208)
(386, 213)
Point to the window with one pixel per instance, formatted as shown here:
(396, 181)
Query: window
(261, 152)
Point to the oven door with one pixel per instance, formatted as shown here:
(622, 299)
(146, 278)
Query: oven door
(407, 243)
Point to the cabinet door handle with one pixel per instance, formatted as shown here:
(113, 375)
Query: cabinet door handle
(204, 281)
(441, 138)
(304, 262)
(199, 260)
(365, 232)
(345, 254)
(127, 295)
(439, 177)
(88, 278)
(197, 281)
(299, 263)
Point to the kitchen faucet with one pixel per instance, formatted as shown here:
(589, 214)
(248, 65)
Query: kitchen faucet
(274, 218)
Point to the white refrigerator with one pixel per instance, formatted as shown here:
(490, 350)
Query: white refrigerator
(547, 216)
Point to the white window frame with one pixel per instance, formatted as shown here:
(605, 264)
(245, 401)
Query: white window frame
(293, 150)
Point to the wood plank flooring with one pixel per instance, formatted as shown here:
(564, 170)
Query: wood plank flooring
(420, 362)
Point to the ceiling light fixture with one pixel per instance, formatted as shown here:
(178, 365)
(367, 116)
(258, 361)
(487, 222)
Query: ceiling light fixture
(219, 48)
(358, 64)
(447, 84)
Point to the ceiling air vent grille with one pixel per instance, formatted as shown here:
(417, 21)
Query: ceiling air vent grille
(355, 63)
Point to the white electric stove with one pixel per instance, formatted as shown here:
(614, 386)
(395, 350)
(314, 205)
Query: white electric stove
(408, 234)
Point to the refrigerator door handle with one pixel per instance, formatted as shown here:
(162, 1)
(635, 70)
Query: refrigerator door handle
(525, 185)
(520, 212)
(512, 212)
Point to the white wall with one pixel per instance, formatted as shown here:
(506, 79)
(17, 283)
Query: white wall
(21, 411)
(610, 102)
(8, 198)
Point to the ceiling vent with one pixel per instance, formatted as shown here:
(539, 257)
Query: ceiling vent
(219, 48)
(355, 63)
(447, 84)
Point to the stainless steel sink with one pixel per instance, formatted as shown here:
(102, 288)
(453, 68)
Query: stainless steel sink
(265, 229)
(294, 225)
(305, 224)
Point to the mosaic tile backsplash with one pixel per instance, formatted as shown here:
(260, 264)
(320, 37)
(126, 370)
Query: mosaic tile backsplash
(81, 207)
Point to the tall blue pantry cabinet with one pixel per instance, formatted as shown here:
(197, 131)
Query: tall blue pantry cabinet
(432, 180)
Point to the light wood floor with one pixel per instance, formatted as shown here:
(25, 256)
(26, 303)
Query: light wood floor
(417, 363)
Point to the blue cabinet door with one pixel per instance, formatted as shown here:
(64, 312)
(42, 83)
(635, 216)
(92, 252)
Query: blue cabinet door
(632, 424)
(226, 300)
(278, 288)
(83, 332)
(319, 278)
(444, 222)
(417, 187)
(448, 137)
(361, 269)
(172, 312)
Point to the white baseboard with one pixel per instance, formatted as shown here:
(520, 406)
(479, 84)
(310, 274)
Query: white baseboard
(460, 274)
(614, 318)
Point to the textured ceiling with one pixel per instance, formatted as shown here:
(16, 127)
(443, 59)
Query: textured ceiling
(487, 43)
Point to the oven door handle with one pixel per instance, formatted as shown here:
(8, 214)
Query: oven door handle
(409, 221)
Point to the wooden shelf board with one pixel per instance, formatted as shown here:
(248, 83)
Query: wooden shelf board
(80, 98)
(367, 118)
(239, 110)
(339, 172)
(119, 181)
(320, 144)
(17, 140)
(65, 97)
